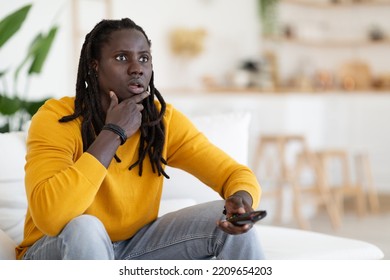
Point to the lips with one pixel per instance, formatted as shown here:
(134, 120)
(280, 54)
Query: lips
(136, 86)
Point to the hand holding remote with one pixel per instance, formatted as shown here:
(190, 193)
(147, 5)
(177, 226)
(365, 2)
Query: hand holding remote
(247, 218)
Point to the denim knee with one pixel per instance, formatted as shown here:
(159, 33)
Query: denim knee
(85, 237)
(84, 224)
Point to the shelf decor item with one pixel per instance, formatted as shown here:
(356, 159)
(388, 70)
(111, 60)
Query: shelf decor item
(187, 42)
(376, 33)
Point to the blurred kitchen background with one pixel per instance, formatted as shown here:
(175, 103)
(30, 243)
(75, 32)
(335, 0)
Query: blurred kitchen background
(312, 73)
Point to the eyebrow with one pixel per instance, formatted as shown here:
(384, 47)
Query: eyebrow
(126, 50)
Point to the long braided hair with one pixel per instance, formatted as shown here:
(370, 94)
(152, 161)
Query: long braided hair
(88, 104)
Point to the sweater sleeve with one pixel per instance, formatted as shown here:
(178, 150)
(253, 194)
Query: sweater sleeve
(190, 150)
(61, 181)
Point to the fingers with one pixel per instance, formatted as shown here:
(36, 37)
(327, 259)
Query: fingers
(134, 99)
(234, 205)
(113, 100)
(138, 98)
(232, 229)
(126, 113)
(134, 102)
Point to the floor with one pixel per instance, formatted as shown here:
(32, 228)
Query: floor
(372, 228)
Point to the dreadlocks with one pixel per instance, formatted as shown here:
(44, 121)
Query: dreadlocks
(88, 104)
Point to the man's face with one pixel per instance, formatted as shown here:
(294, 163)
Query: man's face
(125, 65)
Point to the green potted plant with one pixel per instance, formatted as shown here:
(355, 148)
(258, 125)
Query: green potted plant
(15, 108)
(268, 16)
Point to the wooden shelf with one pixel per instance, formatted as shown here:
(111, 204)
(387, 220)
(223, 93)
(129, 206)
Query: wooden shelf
(330, 43)
(316, 30)
(329, 4)
(278, 91)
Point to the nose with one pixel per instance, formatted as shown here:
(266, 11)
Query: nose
(134, 68)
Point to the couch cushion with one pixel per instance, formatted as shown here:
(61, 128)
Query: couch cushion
(286, 244)
(13, 201)
(279, 243)
(229, 131)
(13, 151)
(7, 247)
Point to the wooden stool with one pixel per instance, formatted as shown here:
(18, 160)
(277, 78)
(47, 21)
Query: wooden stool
(281, 172)
(311, 189)
(364, 177)
(345, 188)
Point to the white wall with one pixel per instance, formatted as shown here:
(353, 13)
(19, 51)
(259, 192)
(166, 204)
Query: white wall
(232, 34)
(354, 123)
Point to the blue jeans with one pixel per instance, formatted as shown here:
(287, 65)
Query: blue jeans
(190, 234)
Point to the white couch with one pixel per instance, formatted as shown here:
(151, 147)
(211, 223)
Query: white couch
(228, 131)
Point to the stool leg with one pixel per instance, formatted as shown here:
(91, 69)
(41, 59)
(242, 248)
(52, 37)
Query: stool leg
(278, 192)
(361, 202)
(302, 222)
(333, 211)
(364, 174)
(332, 198)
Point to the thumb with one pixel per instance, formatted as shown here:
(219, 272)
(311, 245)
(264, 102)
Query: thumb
(113, 100)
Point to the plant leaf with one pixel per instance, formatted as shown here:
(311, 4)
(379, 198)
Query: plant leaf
(2, 73)
(34, 45)
(9, 105)
(32, 106)
(4, 128)
(41, 50)
(12, 23)
(37, 52)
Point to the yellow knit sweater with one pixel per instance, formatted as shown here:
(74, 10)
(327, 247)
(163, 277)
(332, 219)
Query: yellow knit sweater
(63, 182)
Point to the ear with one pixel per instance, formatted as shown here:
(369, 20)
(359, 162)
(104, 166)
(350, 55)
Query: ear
(95, 65)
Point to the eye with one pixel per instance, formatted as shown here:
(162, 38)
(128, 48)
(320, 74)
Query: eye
(121, 57)
(144, 58)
